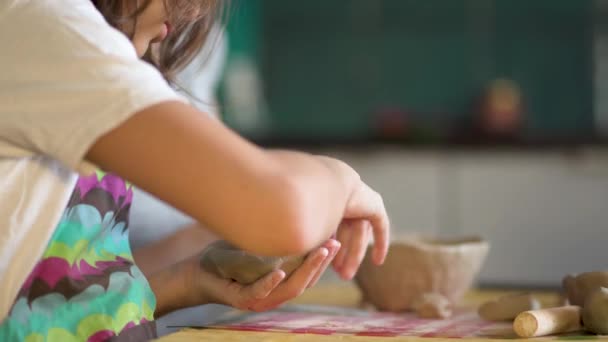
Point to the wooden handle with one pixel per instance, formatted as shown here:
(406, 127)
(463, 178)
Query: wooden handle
(551, 321)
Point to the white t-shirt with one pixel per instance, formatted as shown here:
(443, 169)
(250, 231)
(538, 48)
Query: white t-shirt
(66, 78)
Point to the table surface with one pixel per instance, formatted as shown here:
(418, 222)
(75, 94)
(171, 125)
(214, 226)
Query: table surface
(338, 295)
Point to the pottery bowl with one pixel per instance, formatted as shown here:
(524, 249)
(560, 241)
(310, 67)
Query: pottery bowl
(417, 265)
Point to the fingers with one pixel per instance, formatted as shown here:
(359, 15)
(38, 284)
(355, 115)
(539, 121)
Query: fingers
(380, 226)
(263, 287)
(245, 297)
(381, 230)
(368, 204)
(297, 282)
(343, 235)
(333, 247)
(305, 273)
(357, 247)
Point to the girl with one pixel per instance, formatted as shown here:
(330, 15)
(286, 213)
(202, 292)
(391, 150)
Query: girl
(81, 90)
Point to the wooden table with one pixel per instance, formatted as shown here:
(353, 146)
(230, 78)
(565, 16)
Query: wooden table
(336, 294)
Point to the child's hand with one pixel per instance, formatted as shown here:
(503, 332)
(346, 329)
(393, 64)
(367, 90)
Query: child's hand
(270, 291)
(364, 217)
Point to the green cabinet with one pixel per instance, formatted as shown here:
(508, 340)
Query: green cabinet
(327, 67)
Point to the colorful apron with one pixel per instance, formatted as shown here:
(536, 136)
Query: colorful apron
(86, 286)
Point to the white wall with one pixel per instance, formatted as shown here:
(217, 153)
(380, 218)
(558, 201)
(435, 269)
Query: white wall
(546, 214)
(409, 183)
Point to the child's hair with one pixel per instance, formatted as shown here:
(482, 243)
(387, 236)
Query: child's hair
(188, 34)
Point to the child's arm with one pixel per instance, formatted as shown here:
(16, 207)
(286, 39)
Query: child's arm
(172, 249)
(275, 203)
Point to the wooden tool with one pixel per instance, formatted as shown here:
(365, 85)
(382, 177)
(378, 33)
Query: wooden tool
(551, 321)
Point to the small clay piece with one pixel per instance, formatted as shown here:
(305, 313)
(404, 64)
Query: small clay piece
(432, 305)
(365, 304)
(550, 321)
(416, 265)
(578, 287)
(506, 308)
(229, 262)
(595, 312)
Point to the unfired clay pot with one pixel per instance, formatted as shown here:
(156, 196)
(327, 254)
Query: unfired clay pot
(578, 287)
(417, 266)
(229, 262)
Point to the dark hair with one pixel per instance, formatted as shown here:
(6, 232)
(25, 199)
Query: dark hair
(188, 34)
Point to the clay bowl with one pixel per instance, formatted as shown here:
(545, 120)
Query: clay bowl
(416, 266)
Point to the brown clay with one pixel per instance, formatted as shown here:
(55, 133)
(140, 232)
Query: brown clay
(595, 311)
(432, 305)
(416, 265)
(229, 262)
(578, 287)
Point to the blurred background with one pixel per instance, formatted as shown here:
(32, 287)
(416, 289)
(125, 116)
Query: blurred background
(470, 117)
(424, 72)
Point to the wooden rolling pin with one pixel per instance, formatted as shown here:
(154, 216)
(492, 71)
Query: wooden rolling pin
(551, 321)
